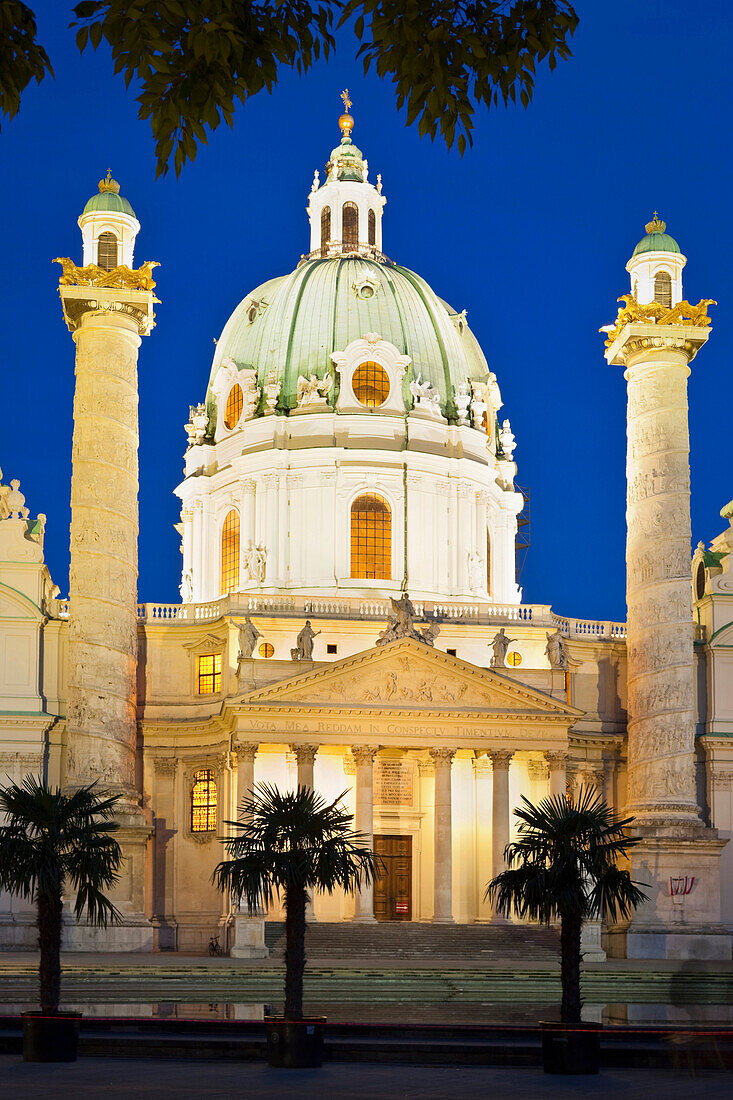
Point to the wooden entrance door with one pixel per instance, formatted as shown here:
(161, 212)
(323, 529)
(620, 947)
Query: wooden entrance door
(393, 887)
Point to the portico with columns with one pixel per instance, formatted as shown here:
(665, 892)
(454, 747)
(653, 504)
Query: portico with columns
(383, 729)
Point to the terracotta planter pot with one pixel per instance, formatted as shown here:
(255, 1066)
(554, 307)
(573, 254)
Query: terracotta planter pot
(571, 1048)
(295, 1044)
(50, 1038)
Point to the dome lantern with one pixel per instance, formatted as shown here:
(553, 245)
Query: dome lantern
(108, 227)
(346, 210)
(656, 266)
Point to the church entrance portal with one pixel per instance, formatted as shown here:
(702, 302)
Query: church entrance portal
(393, 887)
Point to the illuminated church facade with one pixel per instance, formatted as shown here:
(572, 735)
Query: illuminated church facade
(350, 617)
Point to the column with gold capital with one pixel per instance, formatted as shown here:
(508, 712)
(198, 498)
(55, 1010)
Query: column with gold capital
(108, 306)
(655, 337)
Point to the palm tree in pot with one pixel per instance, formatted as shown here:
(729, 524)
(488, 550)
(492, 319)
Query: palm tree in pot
(564, 865)
(295, 842)
(51, 841)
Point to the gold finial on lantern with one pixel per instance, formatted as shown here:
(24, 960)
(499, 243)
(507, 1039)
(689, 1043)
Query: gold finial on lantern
(346, 122)
(656, 225)
(109, 184)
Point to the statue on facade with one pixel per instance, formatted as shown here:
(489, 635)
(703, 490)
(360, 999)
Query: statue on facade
(425, 397)
(401, 624)
(198, 421)
(475, 570)
(255, 560)
(555, 650)
(272, 392)
(507, 442)
(251, 393)
(186, 588)
(463, 401)
(303, 650)
(313, 390)
(500, 644)
(429, 633)
(478, 404)
(248, 635)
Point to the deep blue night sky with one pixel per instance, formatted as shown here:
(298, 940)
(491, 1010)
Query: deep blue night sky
(529, 232)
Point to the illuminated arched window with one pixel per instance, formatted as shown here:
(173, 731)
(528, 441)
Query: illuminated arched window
(372, 226)
(371, 538)
(349, 227)
(370, 384)
(235, 401)
(203, 802)
(107, 251)
(325, 229)
(230, 553)
(663, 289)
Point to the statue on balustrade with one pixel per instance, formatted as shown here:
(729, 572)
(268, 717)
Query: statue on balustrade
(500, 644)
(401, 624)
(248, 635)
(555, 650)
(303, 650)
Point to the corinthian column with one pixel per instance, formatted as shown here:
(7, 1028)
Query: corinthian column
(500, 760)
(364, 820)
(107, 323)
(655, 344)
(661, 684)
(443, 877)
(305, 756)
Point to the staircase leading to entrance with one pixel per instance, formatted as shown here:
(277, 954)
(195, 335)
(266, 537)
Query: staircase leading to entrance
(391, 940)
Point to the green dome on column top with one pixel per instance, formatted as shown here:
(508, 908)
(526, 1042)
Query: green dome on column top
(656, 240)
(292, 324)
(109, 198)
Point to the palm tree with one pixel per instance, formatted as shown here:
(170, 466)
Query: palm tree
(295, 842)
(50, 839)
(564, 864)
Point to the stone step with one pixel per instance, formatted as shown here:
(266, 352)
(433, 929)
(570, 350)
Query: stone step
(408, 940)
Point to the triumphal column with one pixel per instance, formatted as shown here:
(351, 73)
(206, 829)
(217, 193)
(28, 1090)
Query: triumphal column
(108, 307)
(655, 338)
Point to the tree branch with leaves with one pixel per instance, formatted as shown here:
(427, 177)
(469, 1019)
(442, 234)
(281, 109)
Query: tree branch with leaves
(194, 61)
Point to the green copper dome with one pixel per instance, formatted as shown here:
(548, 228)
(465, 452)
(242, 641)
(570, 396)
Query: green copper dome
(109, 199)
(656, 240)
(291, 325)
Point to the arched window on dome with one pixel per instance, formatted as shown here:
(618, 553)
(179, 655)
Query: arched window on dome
(230, 553)
(107, 251)
(235, 403)
(371, 538)
(203, 802)
(372, 227)
(325, 229)
(349, 227)
(663, 289)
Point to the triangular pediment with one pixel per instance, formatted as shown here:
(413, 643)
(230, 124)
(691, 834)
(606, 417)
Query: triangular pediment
(407, 674)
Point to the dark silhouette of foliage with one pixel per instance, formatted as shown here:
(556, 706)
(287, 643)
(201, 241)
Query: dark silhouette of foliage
(193, 61)
(50, 840)
(564, 864)
(294, 842)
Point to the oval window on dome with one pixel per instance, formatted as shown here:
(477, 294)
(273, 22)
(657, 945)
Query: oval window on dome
(370, 384)
(235, 403)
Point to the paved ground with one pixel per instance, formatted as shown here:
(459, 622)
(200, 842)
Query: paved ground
(115, 1079)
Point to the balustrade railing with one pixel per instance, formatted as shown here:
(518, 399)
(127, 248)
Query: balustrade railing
(339, 607)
